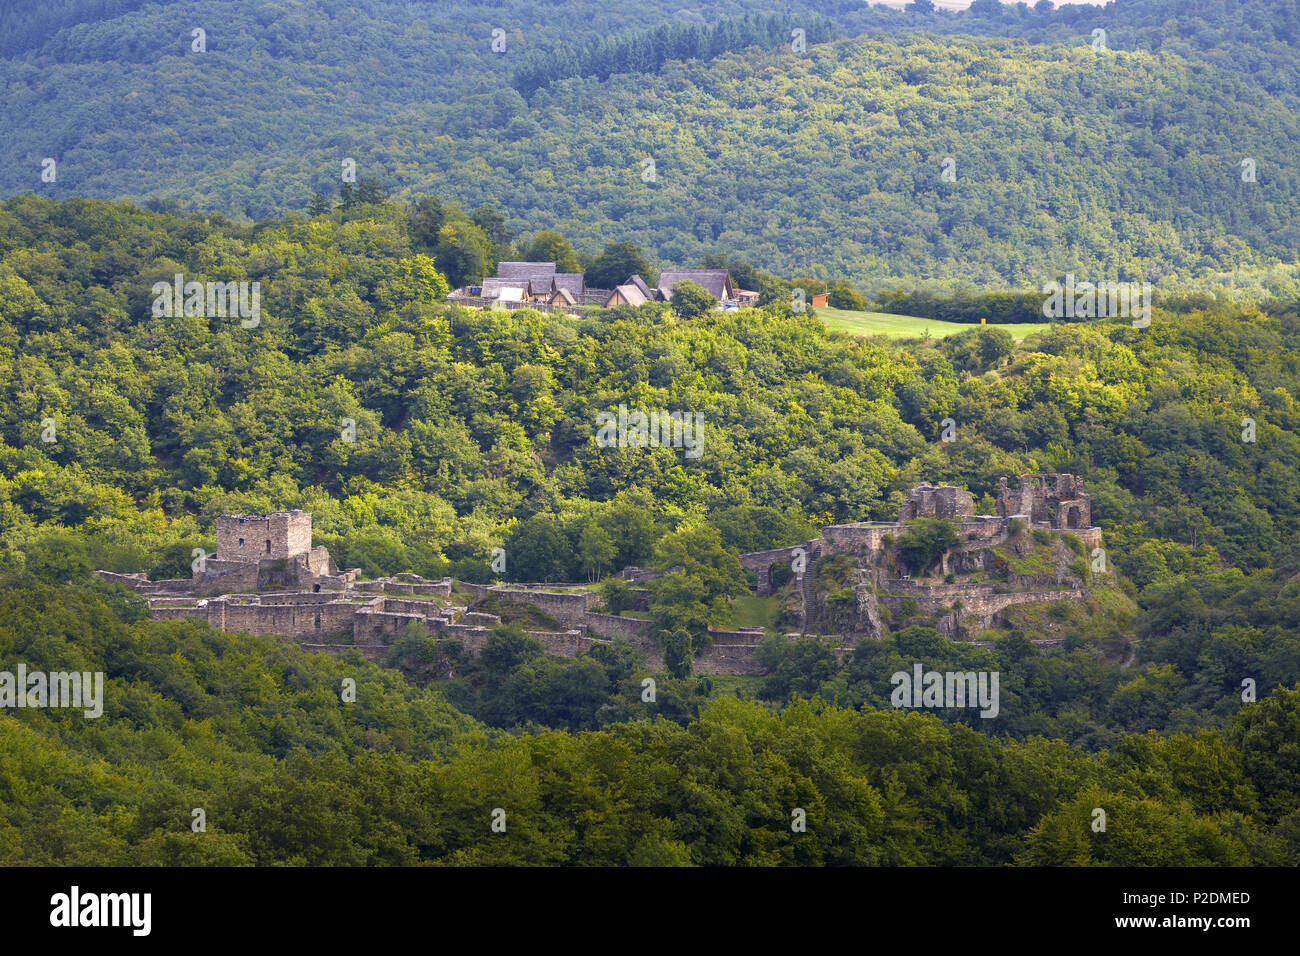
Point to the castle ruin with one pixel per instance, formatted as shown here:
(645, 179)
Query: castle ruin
(1047, 501)
(267, 578)
(258, 552)
(927, 501)
(1055, 502)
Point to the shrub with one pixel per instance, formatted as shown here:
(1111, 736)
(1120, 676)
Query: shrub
(843, 296)
(616, 595)
(926, 540)
(842, 597)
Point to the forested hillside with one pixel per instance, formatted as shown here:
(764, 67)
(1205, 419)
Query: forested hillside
(475, 430)
(253, 733)
(468, 419)
(829, 162)
(946, 165)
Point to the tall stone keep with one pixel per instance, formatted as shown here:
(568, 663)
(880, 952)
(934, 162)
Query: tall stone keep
(253, 538)
(1050, 500)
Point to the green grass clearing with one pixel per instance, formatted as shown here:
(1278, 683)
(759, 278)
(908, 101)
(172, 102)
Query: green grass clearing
(910, 326)
(752, 611)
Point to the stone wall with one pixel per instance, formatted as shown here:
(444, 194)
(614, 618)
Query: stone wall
(224, 577)
(752, 636)
(133, 581)
(861, 538)
(981, 605)
(765, 559)
(567, 607)
(417, 608)
(635, 575)
(471, 637)
(301, 622)
(945, 501)
(1091, 537)
(727, 659)
(565, 643)
(437, 588)
(762, 562)
(288, 597)
(319, 561)
(608, 625)
(477, 592)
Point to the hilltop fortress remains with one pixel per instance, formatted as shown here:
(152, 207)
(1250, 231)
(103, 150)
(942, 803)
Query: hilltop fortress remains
(994, 557)
(254, 553)
(267, 578)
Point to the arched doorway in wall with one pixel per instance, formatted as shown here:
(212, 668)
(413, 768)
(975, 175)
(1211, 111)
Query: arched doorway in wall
(1072, 517)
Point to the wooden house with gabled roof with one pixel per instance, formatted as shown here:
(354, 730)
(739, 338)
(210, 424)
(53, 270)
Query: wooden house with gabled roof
(627, 294)
(716, 281)
(641, 285)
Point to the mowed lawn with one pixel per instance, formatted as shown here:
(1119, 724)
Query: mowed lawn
(909, 326)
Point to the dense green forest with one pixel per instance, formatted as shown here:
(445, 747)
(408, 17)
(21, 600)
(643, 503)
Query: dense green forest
(126, 433)
(468, 421)
(915, 161)
(253, 733)
(1122, 165)
(647, 51)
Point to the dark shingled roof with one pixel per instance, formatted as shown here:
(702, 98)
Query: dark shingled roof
(524, 270)
(715, 280)
(569, 280)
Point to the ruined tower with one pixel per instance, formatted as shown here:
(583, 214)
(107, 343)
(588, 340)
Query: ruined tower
(253, 538)
(1046, 500)
(945, 501)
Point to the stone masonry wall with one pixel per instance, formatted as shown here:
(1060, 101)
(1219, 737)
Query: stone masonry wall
(727, 659)
(752, 636)
(566, 643)
(567, 607)
(301, 622)
(611, 626)
(980, 604)
(222, 577)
